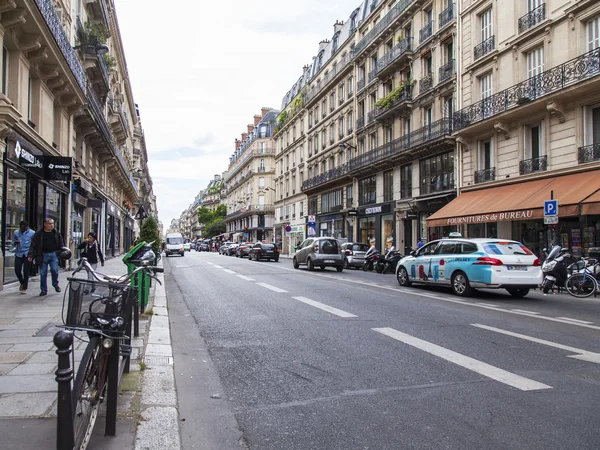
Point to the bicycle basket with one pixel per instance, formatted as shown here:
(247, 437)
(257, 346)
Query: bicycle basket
(89, 300)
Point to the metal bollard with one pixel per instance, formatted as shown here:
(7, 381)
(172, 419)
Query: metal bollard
(65, 439)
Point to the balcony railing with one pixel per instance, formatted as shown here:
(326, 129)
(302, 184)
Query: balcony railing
(532, 165)
(446, 16)
(383, 24)
(426, 32)
(99, 118)
(335, 70)
(481, 176)
(446, 71)
(250, 210)
(405, 97)
(438, 129)
(360, 123)
(402, 47)
(589, 153)
(46, 7)
(484, 48)
(567, 74)
(373, 73)
(360, 85)
(425, 83)
(371, 115)
(532, 17)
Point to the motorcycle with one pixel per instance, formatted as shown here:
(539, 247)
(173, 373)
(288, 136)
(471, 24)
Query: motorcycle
(371, 258)
(388, 263)
(554, 268)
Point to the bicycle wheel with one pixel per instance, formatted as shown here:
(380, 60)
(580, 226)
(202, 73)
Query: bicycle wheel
(87, 393)
(580, 285)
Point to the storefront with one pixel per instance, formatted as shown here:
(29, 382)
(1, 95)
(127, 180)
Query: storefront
(35, 186)
(376, 225)
(128, 233)
(331, 225)
(113, 229)
(515, 211)
(78, 233)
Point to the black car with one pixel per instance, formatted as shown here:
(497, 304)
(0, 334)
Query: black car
(263, 251)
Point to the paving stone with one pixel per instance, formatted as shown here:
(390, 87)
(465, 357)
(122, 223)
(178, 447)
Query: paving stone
(13, 358)
(26, 405)
(159, 428)
(158, 386)
(159, 336)
(34, 369)
(5, 368)
(31, 347)
(5, 347)
(159, 350)
(30, 383)
(18, 333)
(25, 340)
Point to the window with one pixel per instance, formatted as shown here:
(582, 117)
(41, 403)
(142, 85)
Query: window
(406, 181)
(485, 83)
(350, 121)
(324, 108)
(332, 201)
(372, 141)
(29, 99)
(261, 182)
(448, 106)
(388, 185)
(533, 141)
(310, 147)
(428, 116)
(331, 133)
(342, 93)
(486, 25)
(367, 188)
(261, 166)
(324, 138)
(316, 144)
(486, 160)
(310, 119)
(349, 196)
(341, 126)
(312, 205)
(593, 34)
(332, 101)
(350, 86)
(535, 62)
(437, 173)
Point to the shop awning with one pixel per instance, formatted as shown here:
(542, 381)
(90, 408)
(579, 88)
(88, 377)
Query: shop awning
(591, 205)
(522, 201)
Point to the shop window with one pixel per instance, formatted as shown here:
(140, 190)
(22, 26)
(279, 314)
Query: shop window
(437, 173)
(332, 201)
(312, 205)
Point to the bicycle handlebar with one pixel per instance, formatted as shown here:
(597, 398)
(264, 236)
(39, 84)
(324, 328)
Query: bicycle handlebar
(124, 279)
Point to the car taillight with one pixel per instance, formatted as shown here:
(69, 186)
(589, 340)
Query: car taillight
(486, 261)
(537, 262)
(349, 252)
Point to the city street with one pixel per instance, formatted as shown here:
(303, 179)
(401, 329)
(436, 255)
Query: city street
(275, 358)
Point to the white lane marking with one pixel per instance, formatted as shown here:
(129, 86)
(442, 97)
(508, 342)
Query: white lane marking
(488, 304)
(228, 271)
(244, 277)
(218, 266)
(329, 309)
(524, 311)
(582, 355)
(178, 267)
(487, 370)
(211, 263)
(575, 320)
(273, 288)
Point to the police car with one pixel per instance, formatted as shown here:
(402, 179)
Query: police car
(465, 264)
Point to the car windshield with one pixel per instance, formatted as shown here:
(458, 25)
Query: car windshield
(174, 240)
(506, 248)
(329, 246)
(268, 246)
(360, 247)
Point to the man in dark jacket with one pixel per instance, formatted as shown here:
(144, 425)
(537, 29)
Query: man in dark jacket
(45, 246)
(91, 251)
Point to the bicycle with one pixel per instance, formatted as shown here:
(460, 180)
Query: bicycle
(584, 282)
(100, 307)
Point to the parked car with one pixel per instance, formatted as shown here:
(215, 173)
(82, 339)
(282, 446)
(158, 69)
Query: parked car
(187, 245)
(319, 252)
(465, 264)
(231, 248)
(242, 249)
(354, 254)
(261, 250)
(223, 247)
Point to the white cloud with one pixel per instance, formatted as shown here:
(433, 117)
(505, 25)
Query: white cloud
(201, 70)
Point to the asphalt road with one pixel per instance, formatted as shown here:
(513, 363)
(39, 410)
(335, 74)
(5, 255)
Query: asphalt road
(268, 357)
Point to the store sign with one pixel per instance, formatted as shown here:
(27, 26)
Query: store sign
(373, 210)
(29, 161)
(492, 217)
(79, 199)
(58, 168)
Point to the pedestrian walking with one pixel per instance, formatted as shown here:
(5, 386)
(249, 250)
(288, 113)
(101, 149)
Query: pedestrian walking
(91, 251)
(45, 246)
(22, 243)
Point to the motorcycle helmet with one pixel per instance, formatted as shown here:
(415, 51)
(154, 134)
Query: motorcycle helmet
(65, 253)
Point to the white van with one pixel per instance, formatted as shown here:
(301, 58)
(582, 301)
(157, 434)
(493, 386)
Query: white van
(174, 244)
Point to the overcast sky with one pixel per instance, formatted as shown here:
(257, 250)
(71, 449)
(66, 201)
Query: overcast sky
(199, 72)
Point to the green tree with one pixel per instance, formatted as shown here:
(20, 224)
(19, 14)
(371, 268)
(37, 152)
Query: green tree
(221, 210)
(205, 215)
(149, 233)
(214, 228)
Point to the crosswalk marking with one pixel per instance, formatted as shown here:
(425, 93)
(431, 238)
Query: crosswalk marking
(329, 309)
(273, 288)
(582, 355)
(495, 373)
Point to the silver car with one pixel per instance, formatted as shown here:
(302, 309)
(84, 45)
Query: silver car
(319, 252)
(354, 254)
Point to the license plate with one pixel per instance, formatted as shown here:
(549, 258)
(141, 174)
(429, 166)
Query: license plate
(523, 268)
(330, 261)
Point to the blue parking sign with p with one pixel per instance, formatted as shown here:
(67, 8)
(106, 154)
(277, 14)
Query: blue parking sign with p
(551, 208)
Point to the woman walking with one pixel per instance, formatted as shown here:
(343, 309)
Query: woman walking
(90, 250)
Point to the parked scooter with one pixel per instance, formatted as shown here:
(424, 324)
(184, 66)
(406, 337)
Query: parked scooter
(371, 258)
(554, 268)
(388, 263)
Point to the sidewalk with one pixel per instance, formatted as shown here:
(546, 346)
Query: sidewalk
(147, 412)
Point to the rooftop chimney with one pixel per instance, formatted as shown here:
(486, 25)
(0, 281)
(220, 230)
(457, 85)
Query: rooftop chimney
(323, 44)
(250, 128)
(337, 26)
(244, 136)
(264, 111)
(257, 119)
(237, 143)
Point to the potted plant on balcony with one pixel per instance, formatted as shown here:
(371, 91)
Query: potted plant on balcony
(92, 34)
(111, 61)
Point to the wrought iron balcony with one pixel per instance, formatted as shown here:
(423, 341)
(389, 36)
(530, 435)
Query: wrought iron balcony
(425, 83)
(532, 165)
(426, 32)
(99, 119)
(406, 189)
(589, 153)
(329, 175)
(484, 48)
(396, 106)
(335, 70)
(402, 48)
(360, 123)
(532, 17)
(250, 210)
(481, 176)
(447, 15)
(90, 51)
(372, 74)
(446, 71)
(47, 10)
(382, 25)
(371, 115)
(567, 74)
